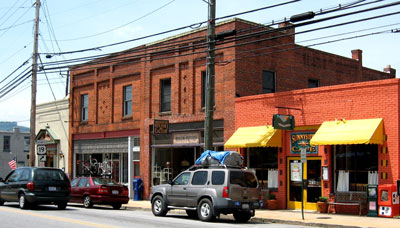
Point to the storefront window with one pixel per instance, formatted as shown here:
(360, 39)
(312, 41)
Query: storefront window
(358, 160)
(111, 165)
(263, 160)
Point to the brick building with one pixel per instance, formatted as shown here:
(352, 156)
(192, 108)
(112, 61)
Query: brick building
(116, 100)
(351, 128)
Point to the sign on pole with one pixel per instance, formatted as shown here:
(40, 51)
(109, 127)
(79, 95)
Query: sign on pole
(42, 158)
(41, 150)
(303, 155)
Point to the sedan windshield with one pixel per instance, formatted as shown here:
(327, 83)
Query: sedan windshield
(104, 181)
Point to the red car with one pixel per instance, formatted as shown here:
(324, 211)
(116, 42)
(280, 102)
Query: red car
(98, 190)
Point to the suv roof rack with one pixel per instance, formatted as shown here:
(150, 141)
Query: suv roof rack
(213, 166)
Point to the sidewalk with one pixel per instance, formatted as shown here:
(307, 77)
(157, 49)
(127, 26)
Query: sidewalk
(311, 218)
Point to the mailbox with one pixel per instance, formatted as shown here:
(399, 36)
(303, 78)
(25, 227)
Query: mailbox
(388, 201)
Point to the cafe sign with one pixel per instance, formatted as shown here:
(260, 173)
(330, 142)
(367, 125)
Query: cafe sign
(186, 138)
(302, 140)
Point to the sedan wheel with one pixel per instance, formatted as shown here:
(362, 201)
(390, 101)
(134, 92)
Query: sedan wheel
(1, 202)
(116, 206)
(23, 203)
(87, 202)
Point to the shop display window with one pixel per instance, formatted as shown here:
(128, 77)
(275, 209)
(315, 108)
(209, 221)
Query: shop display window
(358, 160)
(263, 160)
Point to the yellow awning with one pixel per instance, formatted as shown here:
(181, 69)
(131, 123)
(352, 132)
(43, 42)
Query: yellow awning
(261, 136)
(343, 132)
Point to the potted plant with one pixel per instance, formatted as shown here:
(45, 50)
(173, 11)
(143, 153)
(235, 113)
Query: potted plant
(272, 202)
(323, 204)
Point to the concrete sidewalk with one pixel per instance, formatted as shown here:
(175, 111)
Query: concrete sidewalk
(311, 218)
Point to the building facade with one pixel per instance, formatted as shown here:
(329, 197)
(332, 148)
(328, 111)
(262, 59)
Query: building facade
(350, 135)
(13, 145)
(152, 97)
(52, 122)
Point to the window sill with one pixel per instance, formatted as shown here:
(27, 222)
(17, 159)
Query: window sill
(84, 122)
(126, 118)
(167, 113)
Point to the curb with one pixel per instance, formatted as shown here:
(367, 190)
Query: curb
(290, 222)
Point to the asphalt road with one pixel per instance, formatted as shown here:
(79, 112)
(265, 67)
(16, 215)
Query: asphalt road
(105, 217)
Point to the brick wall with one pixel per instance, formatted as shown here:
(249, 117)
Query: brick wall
(375, 99)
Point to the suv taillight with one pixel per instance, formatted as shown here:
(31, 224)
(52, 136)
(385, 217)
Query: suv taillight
(30, 186)
(225, 192)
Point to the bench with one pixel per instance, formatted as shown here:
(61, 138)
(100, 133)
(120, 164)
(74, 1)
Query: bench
(348, 199)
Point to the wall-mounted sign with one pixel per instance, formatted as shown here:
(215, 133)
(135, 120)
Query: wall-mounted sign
(285, 122)
(302, 140)
(161, 127)
(186, 138)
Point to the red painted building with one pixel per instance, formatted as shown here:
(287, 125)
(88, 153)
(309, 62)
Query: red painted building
(116, 99)
(351, 128)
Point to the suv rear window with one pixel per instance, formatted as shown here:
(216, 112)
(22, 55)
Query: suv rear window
(244, 179)
(218, 177)
(49, 175)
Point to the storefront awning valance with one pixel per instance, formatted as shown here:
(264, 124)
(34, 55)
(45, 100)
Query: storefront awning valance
(344, 132)
(260, 136)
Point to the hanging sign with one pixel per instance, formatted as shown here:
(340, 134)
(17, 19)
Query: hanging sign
(285, 122)
(161, 127)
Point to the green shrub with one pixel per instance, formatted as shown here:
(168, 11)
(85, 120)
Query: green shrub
(323, 199)
(272, 196)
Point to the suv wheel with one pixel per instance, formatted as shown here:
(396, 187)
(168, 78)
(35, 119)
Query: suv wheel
(192, 213)
(158, 206)
(205, 210)
(87, 202)
(23, 203)
(242, 216)
(62, 205)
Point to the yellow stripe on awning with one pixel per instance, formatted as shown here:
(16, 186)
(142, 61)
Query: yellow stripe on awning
(343, 132)
(261, 136)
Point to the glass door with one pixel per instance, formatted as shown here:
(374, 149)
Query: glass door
(310, 172)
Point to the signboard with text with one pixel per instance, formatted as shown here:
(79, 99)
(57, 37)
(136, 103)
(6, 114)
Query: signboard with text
(302, 140)
(161, 127)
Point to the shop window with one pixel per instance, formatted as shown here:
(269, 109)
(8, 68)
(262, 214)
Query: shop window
(263, 160)
(200, 178)
(165, 104)
(84, 107)
(268, 81)
(127, 100)
(357, 161)
(6, 143)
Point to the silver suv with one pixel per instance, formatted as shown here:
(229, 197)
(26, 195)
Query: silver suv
(207, 192)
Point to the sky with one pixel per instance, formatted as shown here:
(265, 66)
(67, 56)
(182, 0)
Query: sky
(68, 26)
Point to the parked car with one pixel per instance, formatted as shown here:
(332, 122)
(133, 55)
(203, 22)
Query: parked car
(98, 190)
(207, 192)
(30, 186)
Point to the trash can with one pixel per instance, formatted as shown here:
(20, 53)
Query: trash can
(137, 188)
(388, 201)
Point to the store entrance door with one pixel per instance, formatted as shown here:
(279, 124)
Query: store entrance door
(312, 184)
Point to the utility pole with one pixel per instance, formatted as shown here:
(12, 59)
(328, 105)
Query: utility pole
(210, 78)
(33, 95)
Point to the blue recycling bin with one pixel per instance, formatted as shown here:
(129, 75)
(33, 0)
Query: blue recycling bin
(137, 188)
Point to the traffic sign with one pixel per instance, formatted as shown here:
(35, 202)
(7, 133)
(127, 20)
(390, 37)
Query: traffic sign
(303, 155)
(42, 158)
(41, 150)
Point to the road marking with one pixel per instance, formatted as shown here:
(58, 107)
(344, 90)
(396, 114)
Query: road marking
(57, 218)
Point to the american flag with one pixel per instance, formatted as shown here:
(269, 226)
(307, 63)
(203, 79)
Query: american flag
(12, 164)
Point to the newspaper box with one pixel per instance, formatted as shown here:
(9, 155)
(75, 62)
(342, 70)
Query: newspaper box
(388, 201)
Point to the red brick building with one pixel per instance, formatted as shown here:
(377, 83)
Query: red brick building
(350, 110)
(115, 100)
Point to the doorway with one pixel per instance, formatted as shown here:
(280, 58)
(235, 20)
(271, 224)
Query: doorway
(312, 182)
